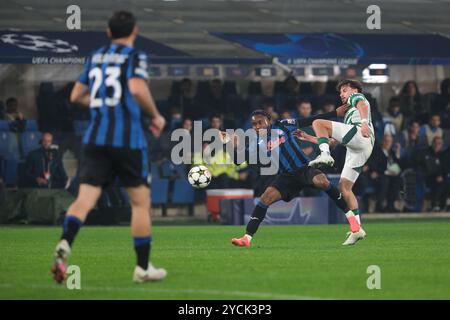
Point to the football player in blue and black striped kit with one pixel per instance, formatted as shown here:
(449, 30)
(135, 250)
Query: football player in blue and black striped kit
(114, 86)
(293, 174)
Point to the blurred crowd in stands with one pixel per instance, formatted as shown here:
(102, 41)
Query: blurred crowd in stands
(412, 135)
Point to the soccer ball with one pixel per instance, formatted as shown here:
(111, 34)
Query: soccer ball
(199, 177)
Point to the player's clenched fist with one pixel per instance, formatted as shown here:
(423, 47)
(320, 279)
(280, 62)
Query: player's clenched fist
(157, 125)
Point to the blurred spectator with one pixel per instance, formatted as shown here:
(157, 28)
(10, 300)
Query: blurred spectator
(303, 109)
(384, 172)
(411, 142)
(442, 101)
(188, 125)
(185, 135)
(184, 98)
(432, 129)
(285, 114)
(445, 117)
(16, 119)
(44, 167)
(175, 118)
(412, 106)
(291, 86)
(328, 106)
(291, 90)
(215, 122)
(269, 106)
(215, 100)
(435, 169)
(393, 118)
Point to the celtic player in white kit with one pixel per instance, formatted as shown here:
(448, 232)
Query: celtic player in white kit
(357, 134)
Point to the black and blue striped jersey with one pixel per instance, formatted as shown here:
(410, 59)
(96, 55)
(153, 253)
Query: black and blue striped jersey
(115, 114)
(280, 143)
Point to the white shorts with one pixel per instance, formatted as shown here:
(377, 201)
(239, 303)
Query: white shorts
(359, 148)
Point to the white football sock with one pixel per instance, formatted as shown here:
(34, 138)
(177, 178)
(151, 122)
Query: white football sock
(324, 148)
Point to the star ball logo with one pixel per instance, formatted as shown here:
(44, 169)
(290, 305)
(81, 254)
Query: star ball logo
(38, 43)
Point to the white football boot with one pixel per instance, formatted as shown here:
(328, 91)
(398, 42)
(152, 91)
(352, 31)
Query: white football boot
(324, 159)
(353, 237)
(151, 274)
(62, 252)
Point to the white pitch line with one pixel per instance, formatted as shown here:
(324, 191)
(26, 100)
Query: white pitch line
(201, 291)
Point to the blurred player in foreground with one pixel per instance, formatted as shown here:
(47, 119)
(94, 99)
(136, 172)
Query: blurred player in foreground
(114, 85)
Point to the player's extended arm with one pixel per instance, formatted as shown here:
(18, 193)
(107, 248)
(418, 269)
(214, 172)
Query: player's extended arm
(364, 113)
(141, 93)
(80, 94)
(302, 135)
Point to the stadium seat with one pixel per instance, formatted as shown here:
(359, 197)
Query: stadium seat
(168, 170)
(10, 173)
(31, 125)
(30, 141)
(9, 145)
(183, 194)
(181, 170)
(160, 193)
(4, 125)
(154, 169)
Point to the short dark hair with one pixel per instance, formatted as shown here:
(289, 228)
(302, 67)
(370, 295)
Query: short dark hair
(302, 100)
(355, 84)
(121, 24)
(261, 112)
(214, 115)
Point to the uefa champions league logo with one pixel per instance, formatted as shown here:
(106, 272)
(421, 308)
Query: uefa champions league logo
(38, 43)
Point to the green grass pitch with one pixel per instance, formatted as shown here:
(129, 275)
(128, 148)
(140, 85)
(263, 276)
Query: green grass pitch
(285, 262)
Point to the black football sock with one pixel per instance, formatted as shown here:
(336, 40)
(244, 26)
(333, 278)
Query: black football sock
(142, 246)
(71, 227)
(257, 217)
(337, 197)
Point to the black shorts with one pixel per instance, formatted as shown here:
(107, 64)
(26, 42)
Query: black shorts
(100, 165)
(289, 184)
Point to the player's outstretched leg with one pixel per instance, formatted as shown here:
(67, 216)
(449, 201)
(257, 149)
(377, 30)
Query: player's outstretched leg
(141, 231)
(269, 196)
(76, 214)
(356, 231)
(323, 130)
